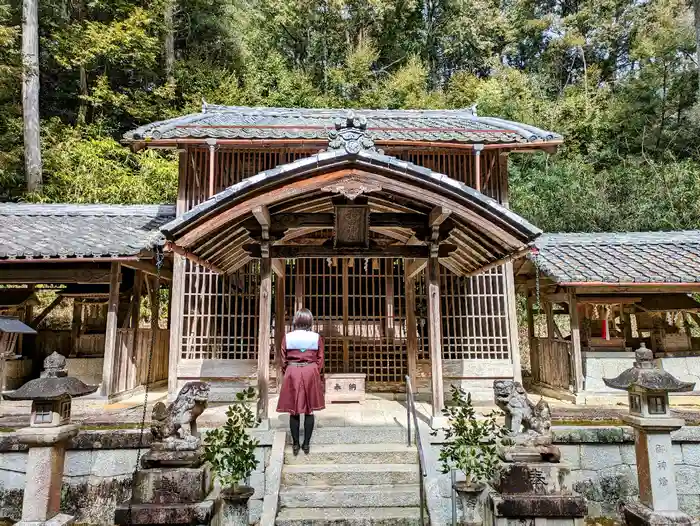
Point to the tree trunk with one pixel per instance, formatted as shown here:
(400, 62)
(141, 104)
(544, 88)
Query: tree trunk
(169, 16)
(696, 8)
(30, 93)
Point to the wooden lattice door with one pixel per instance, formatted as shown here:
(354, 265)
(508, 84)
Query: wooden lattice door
(359, 307)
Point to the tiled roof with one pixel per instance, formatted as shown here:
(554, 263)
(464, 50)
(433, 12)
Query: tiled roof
(632, 257)
(33, 231)
(233, 122)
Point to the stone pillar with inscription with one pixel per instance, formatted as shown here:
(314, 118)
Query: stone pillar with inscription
(650, 416)
(533, 489)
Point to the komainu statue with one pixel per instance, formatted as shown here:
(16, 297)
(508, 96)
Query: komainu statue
(176, 425)
(522, 416)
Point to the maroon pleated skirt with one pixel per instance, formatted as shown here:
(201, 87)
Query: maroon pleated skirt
(302, 390)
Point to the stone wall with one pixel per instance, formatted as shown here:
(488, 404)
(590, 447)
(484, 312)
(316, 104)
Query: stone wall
(97, 474)
(603, 469)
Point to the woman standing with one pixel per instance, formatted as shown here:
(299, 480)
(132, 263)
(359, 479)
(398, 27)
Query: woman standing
(302, 391)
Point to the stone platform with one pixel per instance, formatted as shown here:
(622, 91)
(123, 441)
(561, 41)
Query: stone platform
(376, 410)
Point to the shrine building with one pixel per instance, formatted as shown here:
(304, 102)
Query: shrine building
(393, 227)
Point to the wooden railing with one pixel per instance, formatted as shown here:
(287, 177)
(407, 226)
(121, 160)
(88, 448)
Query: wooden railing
(551, 362)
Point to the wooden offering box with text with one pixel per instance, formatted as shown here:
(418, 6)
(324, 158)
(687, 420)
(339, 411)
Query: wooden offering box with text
(345, 387)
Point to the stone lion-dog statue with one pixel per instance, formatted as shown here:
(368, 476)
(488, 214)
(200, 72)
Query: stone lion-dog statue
(522, 416)
(176, 424)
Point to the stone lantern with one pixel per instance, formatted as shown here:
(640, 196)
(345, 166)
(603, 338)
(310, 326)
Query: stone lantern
(49, 430)
(650, 416)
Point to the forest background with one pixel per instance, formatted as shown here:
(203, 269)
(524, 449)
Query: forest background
(618, 78)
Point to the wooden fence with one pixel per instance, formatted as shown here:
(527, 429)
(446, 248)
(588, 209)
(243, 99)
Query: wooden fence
(551, 362)
(132, 358)
(49, 341)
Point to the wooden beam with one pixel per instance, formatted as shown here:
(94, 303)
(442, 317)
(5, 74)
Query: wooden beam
(43, 314)
(286, 220)
(577, 357)
(265, 314)
(108, 365)
(38, 275)
(306, 251)
(432, 278)
(192, 257)
(414, 267)
(632, 288)
(278, 267)
(438, 215)
(613, 300)
(150, 268)
(262, 214)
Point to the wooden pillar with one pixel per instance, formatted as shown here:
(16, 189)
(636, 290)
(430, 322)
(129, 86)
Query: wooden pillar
(534, 349)
(576, 343)
(346, 315)
(432, 278)
(177, 286)
(76, 326)
(279, 324)
(264, 331)
(477, 166)
(299, 286)
(513, 342)
(411, 330)
(154, 295)
(109, 365)
(389, 300)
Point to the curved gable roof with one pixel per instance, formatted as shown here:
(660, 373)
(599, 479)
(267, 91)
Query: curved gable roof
(236, 122)
(484, 231)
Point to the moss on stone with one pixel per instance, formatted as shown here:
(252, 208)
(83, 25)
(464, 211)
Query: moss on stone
(95, 503)
(602, 521)
(10, 505)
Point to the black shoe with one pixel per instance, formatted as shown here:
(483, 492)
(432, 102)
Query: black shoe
(305, 447)
(295, 449)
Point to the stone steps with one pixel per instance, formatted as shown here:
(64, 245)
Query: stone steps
(353, 476)
(354, 454)
(358, 496)
(349, 474)
(355, 435)
(348, 517)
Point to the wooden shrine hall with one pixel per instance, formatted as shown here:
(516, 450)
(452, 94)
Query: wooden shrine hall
(391, 226)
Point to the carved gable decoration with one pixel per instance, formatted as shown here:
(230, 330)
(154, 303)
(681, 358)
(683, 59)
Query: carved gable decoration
(351, 135)
(351, 226)
(351, 187)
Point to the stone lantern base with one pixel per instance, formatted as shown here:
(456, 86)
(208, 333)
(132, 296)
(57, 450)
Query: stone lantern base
(637, 514)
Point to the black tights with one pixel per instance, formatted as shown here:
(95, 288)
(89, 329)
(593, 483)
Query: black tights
(294, 422)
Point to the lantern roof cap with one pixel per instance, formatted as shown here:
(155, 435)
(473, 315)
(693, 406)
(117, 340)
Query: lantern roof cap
(53, 384)
(645, 375)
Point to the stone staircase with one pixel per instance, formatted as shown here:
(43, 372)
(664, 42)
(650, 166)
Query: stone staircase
(359, 476)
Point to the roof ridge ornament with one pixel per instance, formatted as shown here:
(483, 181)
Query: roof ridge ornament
(351, 135)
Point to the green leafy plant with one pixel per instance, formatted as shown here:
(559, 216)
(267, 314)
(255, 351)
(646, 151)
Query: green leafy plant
(230, 449)
(472, 445)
